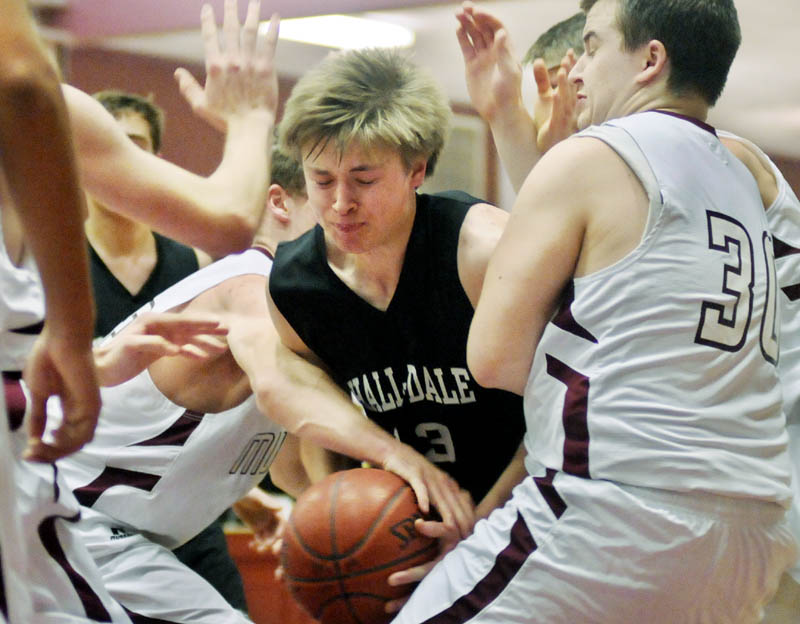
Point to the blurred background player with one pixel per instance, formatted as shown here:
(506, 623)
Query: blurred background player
(129, 262)
(59, 363)
(37, 174)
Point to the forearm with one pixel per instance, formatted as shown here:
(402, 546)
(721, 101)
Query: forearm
(39, 166)
(514, 134)
(218, 213)
(243, 173)
(288, 471)
(514, 473)
(305, 400)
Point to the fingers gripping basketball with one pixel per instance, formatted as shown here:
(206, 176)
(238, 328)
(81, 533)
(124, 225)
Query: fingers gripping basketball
(346, 535)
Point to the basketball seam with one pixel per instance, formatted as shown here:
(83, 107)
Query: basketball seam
(356, 574)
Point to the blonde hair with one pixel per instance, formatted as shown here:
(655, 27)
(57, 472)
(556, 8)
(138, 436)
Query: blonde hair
(374, 97)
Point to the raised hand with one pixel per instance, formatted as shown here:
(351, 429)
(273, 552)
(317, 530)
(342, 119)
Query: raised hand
(554, 111)
(58, 367)
(241, 79)
(493, 74)
(155, 335)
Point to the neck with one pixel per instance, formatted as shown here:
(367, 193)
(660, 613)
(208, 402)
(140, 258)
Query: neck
(115, 234)
(688, 106)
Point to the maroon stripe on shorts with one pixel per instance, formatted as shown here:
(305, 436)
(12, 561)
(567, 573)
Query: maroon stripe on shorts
(94, 607)
(573, 416)
(549, 493)
(15, 399)
(506, 565)
(88, 494)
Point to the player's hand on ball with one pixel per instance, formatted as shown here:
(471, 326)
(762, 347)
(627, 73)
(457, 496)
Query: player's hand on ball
(448, 538)
(433, 488)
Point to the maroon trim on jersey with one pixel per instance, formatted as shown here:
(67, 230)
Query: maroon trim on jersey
(138, 618)
(88, 494)
(573, 416)
(15, 399)
(177, 433)
(564, 318)
(694, 120)
(94, 607)
(549, 493)
(506, 565)
(264, 251)
(783, 249)
(30, 330)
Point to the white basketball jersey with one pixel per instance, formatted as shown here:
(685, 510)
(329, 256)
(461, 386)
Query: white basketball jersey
(660, 370)
(156, 467)
(783, 217)
(21, 308)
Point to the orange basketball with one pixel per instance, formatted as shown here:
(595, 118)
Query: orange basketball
(346, 535)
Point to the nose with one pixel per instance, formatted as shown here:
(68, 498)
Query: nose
(343, 201)
(574, 76)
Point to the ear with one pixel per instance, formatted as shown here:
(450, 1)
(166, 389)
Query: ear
(654, 61)
(418, 170)
(276, 203)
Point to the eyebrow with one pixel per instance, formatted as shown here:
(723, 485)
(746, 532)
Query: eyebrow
(357, 169)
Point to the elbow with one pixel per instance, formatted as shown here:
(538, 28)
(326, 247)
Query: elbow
(239, 232)
(483, 369)
(496, 372)
(28, 84)
(277, 404)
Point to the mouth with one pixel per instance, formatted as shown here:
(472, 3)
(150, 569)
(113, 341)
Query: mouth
(346, 228)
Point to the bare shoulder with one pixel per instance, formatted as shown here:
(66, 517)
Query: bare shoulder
(242, 296)
(482, 228)
(756, 163)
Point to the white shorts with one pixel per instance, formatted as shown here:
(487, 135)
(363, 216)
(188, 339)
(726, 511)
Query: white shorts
(794, 512)
(14, 595)
(149, 580)
(566, 550)
(52, 578)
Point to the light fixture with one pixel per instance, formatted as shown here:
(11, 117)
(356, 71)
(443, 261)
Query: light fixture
(345, 32)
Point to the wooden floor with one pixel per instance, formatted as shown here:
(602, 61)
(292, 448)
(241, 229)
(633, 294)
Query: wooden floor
(268, 600)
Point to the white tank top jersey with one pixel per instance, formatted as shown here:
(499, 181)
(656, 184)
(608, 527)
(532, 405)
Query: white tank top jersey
(783, 217)
(660, 370)
(21, 308)
(156, 467)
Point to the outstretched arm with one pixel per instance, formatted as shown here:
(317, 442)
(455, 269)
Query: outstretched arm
(219, 213)
(494, 83)
(39, 168)
(155, 335)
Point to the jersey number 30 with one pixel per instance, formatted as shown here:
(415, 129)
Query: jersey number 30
(724, 326)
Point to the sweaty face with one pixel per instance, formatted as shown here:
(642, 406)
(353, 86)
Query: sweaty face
(604, 74)
(362, 198)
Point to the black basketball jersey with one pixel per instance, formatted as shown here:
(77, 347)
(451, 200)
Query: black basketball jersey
(115, 303)
(407, 366)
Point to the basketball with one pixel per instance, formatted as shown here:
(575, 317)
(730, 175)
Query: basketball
(345, 536)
